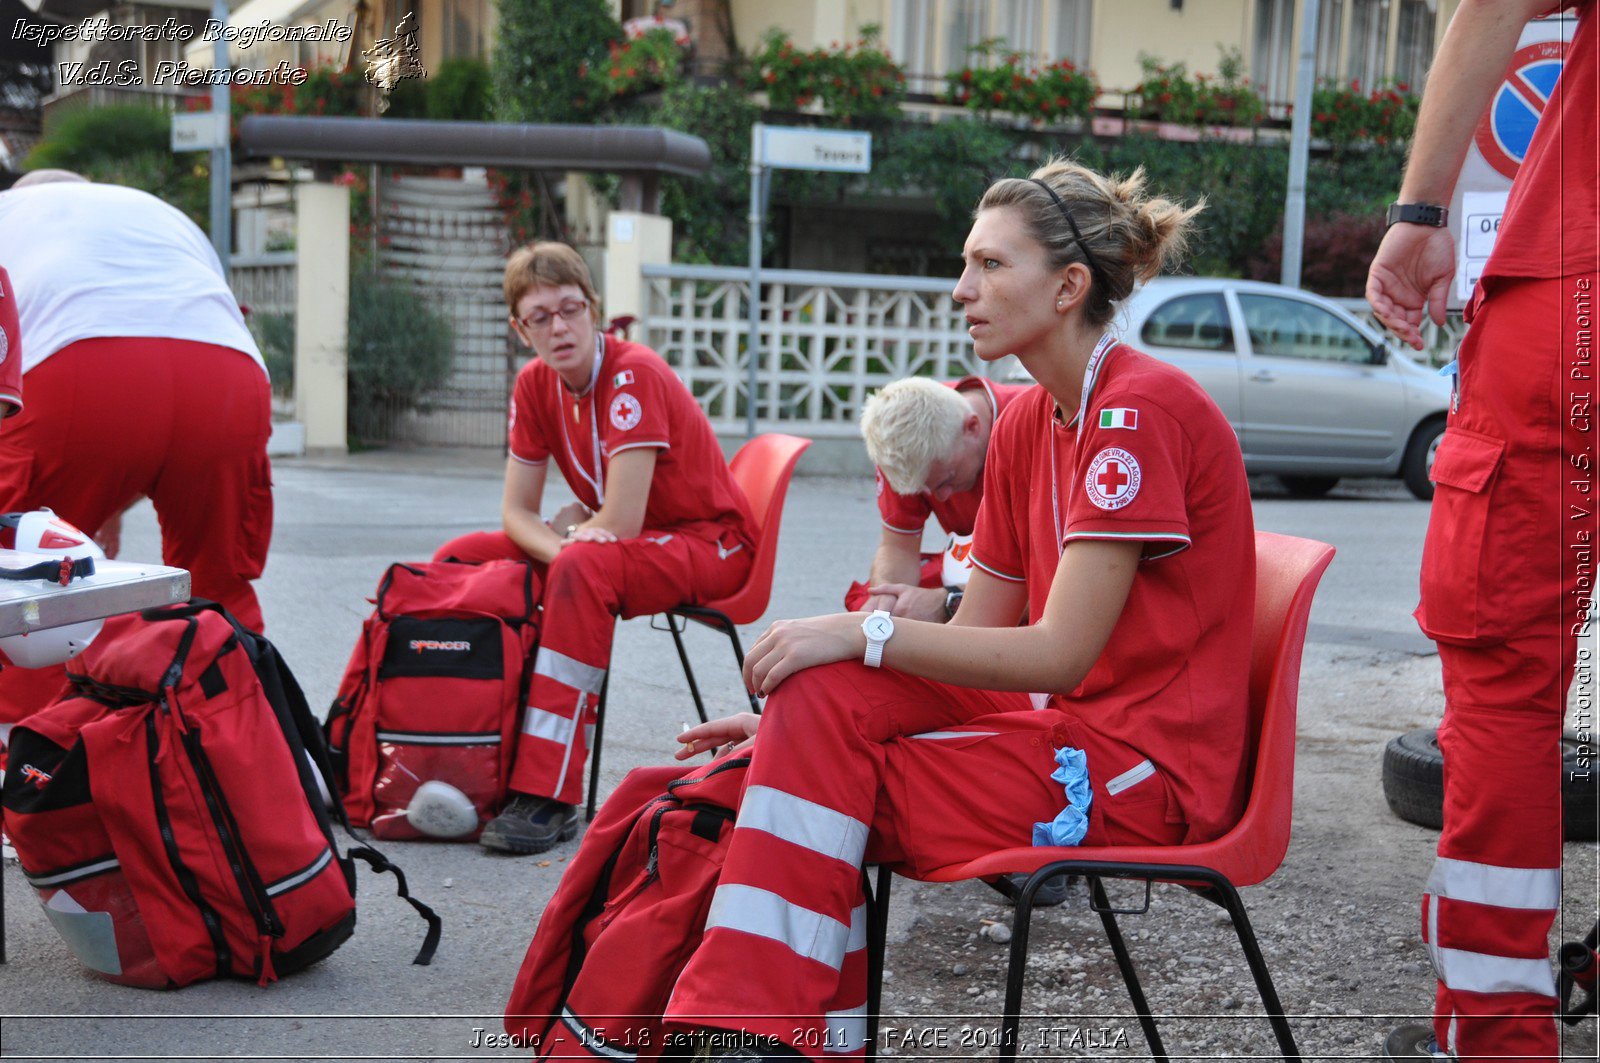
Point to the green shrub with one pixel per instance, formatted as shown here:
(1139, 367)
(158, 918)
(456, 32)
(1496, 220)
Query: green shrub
(653, 61)
(400, 353)
(460, 89)
(274, 334)
(128, 145)
(1168, 93)
(1015, 85)
(541, 46)
(857, 83)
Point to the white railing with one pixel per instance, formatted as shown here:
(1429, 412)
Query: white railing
(1439, 342)
(826, 341)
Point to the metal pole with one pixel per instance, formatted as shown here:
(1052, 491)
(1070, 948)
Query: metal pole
(221, 157)
(752, 346)
(1294, 207)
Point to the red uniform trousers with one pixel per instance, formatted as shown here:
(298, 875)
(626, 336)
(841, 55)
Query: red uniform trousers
(1507, 577)
(583, 591)
(856, 765)
(185, 424)
(930, 575)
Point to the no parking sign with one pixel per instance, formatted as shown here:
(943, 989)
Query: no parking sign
(1500, 145)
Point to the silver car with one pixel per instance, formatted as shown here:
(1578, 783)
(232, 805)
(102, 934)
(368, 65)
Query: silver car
(1313, 392)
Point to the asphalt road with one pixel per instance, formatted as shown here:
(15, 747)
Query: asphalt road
(1368, 675)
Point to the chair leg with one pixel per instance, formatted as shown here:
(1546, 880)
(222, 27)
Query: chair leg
(688, 671)
(877, 944)
(1130, 976)
(738, 656)
(599, 737)
(1021, 923)
(1258, 969)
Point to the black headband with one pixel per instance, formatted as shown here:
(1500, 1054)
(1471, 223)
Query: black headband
(1094, 267)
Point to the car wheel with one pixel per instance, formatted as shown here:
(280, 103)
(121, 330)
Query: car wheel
(1413, 784)
(1308, 486)
(1417, 466)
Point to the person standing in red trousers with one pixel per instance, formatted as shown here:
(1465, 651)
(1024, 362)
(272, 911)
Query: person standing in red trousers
(142, 381)
(928, 441)
(1116, 511)
(1507, 567)
(659, 521)
(10, 349)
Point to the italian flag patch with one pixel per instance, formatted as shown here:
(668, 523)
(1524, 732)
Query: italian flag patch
(1119, 418)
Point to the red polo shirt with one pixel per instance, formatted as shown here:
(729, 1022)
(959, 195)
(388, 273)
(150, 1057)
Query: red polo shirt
(908, 514)
(1156, 461)
(634, 400)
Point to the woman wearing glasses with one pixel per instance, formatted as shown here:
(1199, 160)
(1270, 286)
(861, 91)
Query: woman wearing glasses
(659, 521)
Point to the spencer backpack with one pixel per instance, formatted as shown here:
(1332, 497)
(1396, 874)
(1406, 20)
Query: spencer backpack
(168, 811)
(627, 915)
(434, 692)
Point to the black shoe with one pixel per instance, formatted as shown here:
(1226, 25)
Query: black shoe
(1414, 1041)
(530, 825)
(733, 1046)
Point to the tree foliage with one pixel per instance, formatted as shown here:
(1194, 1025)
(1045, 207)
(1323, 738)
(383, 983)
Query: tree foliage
(127, 145)
(542, 46)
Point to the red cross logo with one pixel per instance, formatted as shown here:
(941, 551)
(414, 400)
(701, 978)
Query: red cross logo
(1112, 479)
(625, 411)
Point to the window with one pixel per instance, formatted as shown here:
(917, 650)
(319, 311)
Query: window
(1275, 49)
(911, 42)
(1330, 25)
(1289, 328)
(1017, 23)
(1369, 42)
(1414, 43)
(1070, 32)
(463, 29)
(964, 26)
(1198, 322)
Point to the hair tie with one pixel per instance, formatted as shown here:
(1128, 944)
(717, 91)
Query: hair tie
(1094, 267)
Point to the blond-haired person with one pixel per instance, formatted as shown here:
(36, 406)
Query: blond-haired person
(659, 521)
(928, 442)
(1129, 540)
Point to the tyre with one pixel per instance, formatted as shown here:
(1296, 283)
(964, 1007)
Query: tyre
(1308, 486)
(1416, 466)
(1413, 783)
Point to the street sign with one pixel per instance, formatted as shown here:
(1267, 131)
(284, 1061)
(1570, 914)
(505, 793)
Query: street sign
(1500, 145)
(200, 131)
(788, 148)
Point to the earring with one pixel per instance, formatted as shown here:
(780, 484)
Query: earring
(1059, 304)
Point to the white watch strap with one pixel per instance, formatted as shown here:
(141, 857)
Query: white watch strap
(874, 656)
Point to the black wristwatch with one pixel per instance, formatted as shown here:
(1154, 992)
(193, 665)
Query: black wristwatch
(952, 602)
(1430, 214)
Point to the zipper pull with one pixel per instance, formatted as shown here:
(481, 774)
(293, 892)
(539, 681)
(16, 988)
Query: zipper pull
(268, 974)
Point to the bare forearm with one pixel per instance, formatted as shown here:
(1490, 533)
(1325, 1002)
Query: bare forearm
(530, 533)
(1006, 658)
(1473, 56)
(897, 562)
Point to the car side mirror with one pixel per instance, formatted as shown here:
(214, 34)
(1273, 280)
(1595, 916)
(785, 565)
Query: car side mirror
(1380, 353)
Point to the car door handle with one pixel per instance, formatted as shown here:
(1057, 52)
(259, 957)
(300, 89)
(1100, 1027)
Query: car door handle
(1264, 376)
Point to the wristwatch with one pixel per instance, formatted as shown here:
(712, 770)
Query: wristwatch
(1417, 214)
(952, 602)
(877, 627)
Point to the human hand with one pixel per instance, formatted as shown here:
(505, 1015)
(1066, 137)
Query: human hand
(791, 645)
(1410, 272)
(737, 732)
(109, 537)
(879, 598)
(913, 603)
(592, 533)
(569, 516)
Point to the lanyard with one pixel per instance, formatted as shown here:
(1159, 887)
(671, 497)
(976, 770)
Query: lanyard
(1100, 350)
(597, 481)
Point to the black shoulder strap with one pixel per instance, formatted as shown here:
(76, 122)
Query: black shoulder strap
(63, 571)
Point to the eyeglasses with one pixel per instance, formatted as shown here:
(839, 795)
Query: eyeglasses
(570, 310)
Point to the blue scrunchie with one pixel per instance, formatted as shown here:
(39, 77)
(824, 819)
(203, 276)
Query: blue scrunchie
(1072, 822)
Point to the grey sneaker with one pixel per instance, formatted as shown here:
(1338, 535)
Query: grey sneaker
(1049, 895)
(1413, 1041)
(530, 825)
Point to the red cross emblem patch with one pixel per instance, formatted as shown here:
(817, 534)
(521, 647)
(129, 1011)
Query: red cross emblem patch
(625, 411)
(1113, 478)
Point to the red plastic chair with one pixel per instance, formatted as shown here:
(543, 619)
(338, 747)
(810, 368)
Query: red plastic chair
(1287, 572)
(762, 468)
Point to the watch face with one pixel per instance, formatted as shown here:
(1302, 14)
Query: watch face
(879, 627)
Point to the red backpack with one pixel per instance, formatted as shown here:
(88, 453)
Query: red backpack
(628, 914)
(168, 811)
(434, 691)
